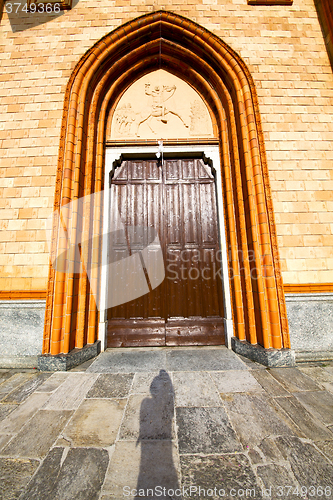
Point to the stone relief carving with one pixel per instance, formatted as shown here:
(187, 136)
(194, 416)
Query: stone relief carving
(158, 109)
(125, 118)
(199, 119)
(160, 106)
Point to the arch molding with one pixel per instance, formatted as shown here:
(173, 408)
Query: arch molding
(178, 45)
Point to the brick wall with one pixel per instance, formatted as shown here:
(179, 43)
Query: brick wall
(284, 49)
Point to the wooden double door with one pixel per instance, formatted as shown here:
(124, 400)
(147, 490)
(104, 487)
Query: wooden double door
(167, 233)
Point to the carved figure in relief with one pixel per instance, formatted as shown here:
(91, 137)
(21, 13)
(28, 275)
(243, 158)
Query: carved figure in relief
(125, 117)
(158, 109)
(199, 122)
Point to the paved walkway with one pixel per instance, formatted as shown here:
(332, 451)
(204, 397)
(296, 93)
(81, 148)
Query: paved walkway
(199, 422)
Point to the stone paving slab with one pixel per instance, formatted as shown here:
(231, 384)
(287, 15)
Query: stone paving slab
(269, 383)
(136, 466)
(294, 380)
(309, 466)
(205, 430)
(71, 392)
(269, 450)
(4, 374)
(195, 389)
(252, 365)
(326, 447)
(77, 473)
(254, 418)
(6, 410)
(53, 382)
(230, 381)
(4, 439)
(276, 478)
(203, 360)
(14, 476)
(24, 390)
(95, 423)
(148, 418)
(143, 382)
(140, 418)
(111, 385)
(189, 359)
(38, 435)
(317, 374)
(227, 473)
(17, 419)
(318, 403)
(11, 383)
(310, 427)
(328, 386)
(129, 361)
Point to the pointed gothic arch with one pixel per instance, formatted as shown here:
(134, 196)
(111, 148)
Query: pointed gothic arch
(168, 41)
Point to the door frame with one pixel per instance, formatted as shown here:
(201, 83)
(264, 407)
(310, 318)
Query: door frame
(211, 155)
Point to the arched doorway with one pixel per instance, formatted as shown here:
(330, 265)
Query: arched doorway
(165, 40)
(165, 225)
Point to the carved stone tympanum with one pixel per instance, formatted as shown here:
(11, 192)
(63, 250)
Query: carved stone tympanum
(160, 106)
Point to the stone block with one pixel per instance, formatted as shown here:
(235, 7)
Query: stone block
(21, 329)
(63, 362)
(310, 318)
(267, 357)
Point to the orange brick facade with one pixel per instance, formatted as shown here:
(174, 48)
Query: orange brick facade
(284, 51)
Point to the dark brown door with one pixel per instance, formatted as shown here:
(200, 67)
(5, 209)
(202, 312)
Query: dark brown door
(167, 224)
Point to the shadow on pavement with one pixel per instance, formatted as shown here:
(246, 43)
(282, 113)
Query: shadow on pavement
(158, 476)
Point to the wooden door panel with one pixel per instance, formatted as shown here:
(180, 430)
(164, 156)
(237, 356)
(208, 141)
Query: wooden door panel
(136, 332)
(196, 331)
(179, 203)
